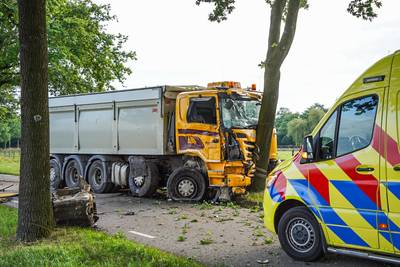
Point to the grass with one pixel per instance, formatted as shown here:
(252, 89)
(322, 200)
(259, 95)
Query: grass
(78, 247)
(9, 165)
(285, 154)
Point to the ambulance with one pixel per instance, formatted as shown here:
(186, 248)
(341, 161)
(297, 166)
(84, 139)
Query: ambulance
(341, 192)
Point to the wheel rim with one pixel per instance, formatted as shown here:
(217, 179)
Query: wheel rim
(186, 188)
(98, 177)
(73, 174)
(52, 174)
(139, 181)
(300, 234)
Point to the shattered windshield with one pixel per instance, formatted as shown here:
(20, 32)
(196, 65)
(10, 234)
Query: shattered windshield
(240, 112)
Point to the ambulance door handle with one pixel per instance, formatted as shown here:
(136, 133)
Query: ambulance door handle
(365, 169)
(396, 168)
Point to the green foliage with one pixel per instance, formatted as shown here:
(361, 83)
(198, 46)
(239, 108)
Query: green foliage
(83, 57)
(78, 247)
(222, 8)
(10, 129)
(297, 129)
(283, 116)
(292, 127)
(364, 8)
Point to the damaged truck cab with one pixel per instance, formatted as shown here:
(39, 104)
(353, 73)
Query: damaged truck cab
(198, 142)
(218, 126)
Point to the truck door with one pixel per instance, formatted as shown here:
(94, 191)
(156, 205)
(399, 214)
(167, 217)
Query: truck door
(344, 178)
(390, 152)
(197, 127)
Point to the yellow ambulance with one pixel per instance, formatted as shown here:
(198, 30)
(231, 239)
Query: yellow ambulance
(341, 192)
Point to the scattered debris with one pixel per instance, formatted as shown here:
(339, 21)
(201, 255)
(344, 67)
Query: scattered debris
(75, 206)
(4, 189)
(129, 213)
(266, 261)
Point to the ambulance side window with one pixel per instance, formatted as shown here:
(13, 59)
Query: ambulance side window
(357, 120)
(326, 149)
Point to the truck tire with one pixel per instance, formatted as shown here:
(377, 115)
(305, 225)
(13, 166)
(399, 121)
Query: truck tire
(300, 235)
(98, 177)
(145, 185)
(186, 184)
(55, 175)
(72, 174)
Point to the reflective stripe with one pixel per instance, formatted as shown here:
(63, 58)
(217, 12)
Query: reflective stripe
(366, 182)
(355, 195)
(348, 236)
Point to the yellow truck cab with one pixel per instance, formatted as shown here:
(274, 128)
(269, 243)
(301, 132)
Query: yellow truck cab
(341, 192)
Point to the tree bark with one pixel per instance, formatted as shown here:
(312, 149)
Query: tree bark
(35, 215)
(277, 52)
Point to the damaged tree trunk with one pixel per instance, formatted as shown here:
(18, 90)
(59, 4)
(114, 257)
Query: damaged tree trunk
(75, 206)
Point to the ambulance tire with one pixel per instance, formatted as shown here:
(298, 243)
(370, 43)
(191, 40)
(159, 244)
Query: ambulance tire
(300, 235)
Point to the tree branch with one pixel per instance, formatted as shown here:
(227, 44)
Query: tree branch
(275, 22)
(290, 29)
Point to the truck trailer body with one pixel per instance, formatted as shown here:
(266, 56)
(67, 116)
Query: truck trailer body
(188, 138)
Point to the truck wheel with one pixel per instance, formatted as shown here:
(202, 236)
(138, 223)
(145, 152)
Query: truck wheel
(147, 184)
(186, 184)
(300, 235)
(98, 177)
(55, 175)
(72, 174)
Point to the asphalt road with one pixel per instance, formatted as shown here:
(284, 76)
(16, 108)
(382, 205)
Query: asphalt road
(213, 235)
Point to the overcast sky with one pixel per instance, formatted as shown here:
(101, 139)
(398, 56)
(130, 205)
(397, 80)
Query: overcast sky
(177, 45)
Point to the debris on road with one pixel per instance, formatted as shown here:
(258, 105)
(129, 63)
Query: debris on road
(266, 261)
(75, 206)
(4, 197)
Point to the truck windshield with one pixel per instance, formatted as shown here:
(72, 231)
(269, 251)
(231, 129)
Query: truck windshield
(240, 112)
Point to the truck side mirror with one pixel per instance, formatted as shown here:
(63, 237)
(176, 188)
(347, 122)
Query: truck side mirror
(308, 149)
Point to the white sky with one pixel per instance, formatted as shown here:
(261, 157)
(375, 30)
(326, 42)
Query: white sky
(177, 45)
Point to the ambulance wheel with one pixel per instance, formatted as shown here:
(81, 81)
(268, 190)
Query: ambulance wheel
(299, 234)
(99, 177)
(55, 175)
(147, 184)
(186, 184)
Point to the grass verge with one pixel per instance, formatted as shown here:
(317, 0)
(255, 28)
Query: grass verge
(9, 165)
(78, 247)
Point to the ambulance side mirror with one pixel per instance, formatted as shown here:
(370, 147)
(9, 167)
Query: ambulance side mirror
(308, 149)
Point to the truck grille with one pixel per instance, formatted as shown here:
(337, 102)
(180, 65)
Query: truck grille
(249, 149)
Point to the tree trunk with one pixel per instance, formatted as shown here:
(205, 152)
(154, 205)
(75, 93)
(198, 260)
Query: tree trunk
(277, 52)
(35, 215)
(266, 124)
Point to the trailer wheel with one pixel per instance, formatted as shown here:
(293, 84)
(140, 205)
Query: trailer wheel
(145, 185)
(72, 174)
(98, 177)
(55, 175)
(300, 235)
(185, 184)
